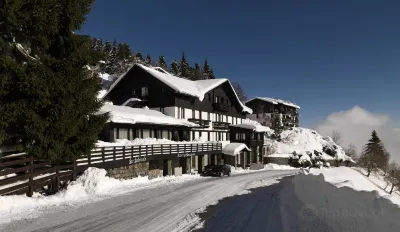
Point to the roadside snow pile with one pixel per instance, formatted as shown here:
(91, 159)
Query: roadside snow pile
(307, 146)
(269, 166)
(147, 141)
(92, 185)
(348, 177)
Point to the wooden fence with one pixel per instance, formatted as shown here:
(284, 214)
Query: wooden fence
(20, 173)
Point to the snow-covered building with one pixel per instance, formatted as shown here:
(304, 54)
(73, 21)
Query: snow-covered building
(212, 103)
(266, 109)
(251, 134)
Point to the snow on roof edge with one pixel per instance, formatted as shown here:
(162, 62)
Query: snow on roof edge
(275, 101)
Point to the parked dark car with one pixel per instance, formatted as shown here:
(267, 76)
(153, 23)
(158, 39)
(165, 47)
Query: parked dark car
(217, 170)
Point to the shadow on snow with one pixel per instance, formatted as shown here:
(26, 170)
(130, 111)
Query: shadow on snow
(302, 203)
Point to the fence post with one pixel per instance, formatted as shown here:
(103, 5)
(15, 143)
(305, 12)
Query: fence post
(31, 184)
(197, 147)
(74, 170)
(170, 149)
(152, 149)
(114, 153)
(57, 177)
(89, 158)
(132, 152)
(123, 153)
(102, 154)
(146, 150)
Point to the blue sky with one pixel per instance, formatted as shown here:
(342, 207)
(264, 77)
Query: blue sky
(326, 56)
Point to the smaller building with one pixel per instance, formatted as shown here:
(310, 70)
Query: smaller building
(266, 110)
(250, 134)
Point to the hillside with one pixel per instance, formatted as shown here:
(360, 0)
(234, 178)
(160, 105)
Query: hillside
(304, 144)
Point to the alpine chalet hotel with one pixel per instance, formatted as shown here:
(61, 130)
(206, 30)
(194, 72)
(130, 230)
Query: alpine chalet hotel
(212, 104)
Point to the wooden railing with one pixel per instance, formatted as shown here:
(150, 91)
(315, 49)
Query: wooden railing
(201, 122)
(106, 154)
(221, 107)
(20, 173)
(221, 125)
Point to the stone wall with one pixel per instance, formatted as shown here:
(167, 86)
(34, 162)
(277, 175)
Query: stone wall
(276, 160)
(130, 171)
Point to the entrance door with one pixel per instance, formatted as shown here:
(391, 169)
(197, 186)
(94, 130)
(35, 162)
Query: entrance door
(165, 167)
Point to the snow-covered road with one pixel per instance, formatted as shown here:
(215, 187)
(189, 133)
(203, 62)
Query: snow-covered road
(150, 209)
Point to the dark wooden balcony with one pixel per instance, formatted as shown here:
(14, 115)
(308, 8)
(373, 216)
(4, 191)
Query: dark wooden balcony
(221, 125)
(203, 123)
(221, 107)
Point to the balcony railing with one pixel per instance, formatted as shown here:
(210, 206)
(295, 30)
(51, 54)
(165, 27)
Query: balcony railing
(203, 123)
(221, 125)
(221, 107)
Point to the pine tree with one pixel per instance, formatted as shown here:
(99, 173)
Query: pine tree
(107, 48)
(207, 71)
(148, 61)
(48, 100)
(374, 155)
(197, 75)
(183, 67)
(174, 68)
(277, 126)
(162, 63)
(124, 56)
(112, 65)
(138, 57)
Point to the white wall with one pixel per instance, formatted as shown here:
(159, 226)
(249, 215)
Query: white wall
(146, 133)
(171, 111)
(188, 113)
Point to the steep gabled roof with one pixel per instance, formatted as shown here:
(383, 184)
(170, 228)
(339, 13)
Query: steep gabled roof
(275, 101)
(196, 89)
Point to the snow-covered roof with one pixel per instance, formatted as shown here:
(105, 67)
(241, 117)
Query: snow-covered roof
(196, 89)
(125, 114)
(276, 101)
(253, 127)
(234, 148)
(133, 99)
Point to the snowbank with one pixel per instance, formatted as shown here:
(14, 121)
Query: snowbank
(348, 177)
(303, 141)
(269, 166)
(92, 185)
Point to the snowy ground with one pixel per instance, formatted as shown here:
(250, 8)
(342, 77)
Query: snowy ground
(155, 208)
(337, 199)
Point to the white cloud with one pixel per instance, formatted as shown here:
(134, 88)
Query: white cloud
(356, 124)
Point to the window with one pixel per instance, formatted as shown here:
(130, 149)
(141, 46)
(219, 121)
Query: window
(122, 133)
(182, 112)
(216, 100)
(222, 100)
(133, 93)
(145, 91)
(193, 162)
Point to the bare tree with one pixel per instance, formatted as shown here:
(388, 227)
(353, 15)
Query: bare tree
(351, 151)
(336, 137)
(393, 176)
(239, 91)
